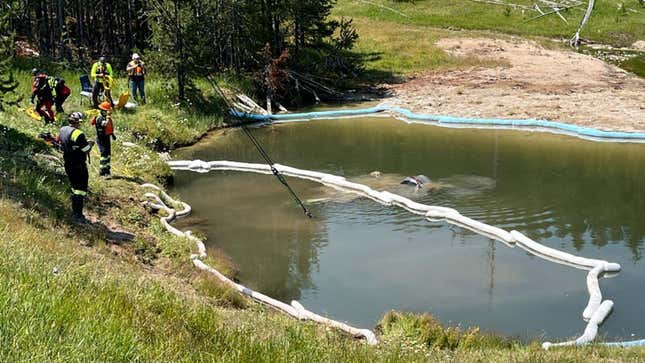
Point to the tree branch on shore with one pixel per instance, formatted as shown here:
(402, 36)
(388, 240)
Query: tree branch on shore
(556, 8)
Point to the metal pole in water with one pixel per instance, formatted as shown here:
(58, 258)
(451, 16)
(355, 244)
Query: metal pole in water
(261, 150)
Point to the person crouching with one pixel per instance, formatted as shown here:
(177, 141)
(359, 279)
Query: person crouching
(104, 135)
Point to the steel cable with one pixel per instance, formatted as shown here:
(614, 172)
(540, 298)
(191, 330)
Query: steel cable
(260, 149)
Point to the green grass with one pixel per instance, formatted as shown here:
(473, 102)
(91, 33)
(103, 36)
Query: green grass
(635, 65)
(396, 46)
(95, 307)
(394, 49)
(608, 23)
(429, 332)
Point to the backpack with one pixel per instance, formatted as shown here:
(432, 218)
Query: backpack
(42, 87)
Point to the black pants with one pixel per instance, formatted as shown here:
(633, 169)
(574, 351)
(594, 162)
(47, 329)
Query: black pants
(105, 148)
(78, 177)
(59, 103)
(98, 88)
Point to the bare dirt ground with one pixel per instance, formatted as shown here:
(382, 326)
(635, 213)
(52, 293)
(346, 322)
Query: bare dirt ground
(639, 45)
(531, 82)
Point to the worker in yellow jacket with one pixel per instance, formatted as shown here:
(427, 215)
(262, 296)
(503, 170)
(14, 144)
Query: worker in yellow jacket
(101, 74)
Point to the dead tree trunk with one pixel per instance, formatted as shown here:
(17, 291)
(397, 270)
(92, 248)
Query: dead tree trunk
(575, 41)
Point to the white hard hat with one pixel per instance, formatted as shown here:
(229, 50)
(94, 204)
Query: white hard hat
(76, 117)
(135, 56)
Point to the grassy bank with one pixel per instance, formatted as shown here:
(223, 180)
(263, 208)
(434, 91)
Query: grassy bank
(401, 45)
(619, 23)
(395, 50)
(64, 302)
(123, 289)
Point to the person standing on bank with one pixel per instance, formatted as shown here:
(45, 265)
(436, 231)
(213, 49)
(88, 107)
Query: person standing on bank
(136, 73)
(75, 148)
(102, 75)
(104, 136)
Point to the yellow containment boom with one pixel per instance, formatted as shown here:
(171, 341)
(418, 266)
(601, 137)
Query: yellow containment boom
(33, 114)
(123, 100)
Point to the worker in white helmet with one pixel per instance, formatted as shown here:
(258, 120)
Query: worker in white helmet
(136, 73)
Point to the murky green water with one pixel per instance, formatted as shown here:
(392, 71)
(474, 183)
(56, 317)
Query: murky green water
(358, 259)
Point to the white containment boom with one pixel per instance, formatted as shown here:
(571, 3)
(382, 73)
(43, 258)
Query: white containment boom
(595, 311)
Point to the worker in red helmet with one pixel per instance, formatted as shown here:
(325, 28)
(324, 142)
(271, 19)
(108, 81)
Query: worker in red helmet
(104, 135)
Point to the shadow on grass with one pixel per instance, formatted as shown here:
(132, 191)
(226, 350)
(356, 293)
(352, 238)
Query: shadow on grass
(132, 179)
(26, 180)
(374, 76)
(39, 187)
(111, 235)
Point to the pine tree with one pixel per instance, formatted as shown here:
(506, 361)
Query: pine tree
(182, 40)
(169, 20)
(8, 84)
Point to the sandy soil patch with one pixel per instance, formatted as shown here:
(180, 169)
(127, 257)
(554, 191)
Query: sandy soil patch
(533, 82)
(639, 45)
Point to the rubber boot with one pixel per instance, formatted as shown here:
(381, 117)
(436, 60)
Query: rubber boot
(104, 169)
(105, 172)
(77, 209)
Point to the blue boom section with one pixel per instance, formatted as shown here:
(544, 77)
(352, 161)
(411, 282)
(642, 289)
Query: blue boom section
(633, 343)
(579, 131)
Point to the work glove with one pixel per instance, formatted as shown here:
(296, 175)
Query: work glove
(113, 137)
(31, 100)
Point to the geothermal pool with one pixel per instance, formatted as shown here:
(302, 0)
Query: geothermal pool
(358, 259)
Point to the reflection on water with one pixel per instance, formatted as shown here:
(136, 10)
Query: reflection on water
(247, 208)
(357, 259)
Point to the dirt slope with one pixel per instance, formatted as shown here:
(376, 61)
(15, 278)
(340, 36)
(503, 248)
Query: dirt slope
(533, 82)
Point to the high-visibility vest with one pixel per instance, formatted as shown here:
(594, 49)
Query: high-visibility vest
(136, 69)
(97, 68)
(57, 85)
(103, 125)
(74, 147)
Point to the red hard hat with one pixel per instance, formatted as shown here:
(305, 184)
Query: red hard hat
(105, 106)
